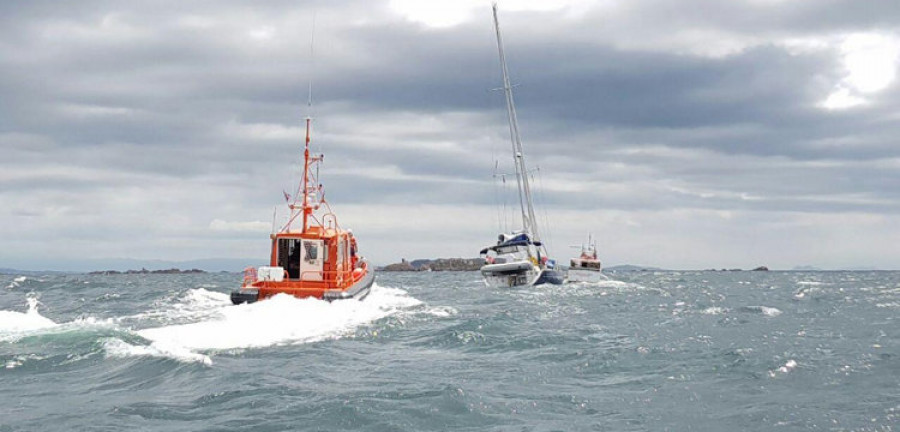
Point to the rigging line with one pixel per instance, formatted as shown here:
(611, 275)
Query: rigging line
(500, 191)
(496, 188)
(274, 216)
(504, 216)
(506, 212)
(494, 185)
(542, 196)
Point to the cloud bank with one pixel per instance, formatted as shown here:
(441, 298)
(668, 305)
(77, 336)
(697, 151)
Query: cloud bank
(756, 132)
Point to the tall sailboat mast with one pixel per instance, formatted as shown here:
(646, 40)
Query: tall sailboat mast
(529, 222)
(517, 259)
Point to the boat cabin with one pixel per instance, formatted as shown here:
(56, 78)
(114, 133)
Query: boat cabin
(320, 255)
(509, 248)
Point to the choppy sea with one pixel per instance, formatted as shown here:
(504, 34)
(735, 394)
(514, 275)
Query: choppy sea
(647, 351)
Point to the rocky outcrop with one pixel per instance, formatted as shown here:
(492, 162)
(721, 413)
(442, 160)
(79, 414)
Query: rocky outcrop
(403, 265)
(760, 268)
(440, 264)
(456, 264)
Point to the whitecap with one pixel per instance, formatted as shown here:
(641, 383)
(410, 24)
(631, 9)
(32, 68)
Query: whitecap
(14, 325)
(442, 311)
(16, 282)
(195, 304)
(117, 348)
(612, 283)
(770, 311)
(765, 310)
(714, 310)
(788, 367)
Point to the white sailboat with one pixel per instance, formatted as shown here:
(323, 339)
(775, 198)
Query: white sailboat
(519, 258)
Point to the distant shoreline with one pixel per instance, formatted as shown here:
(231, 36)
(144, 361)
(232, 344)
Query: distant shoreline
(473, 266)
(145, 271)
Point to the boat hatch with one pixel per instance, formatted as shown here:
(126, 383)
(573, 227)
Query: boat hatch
(313, 261)
(301, 258)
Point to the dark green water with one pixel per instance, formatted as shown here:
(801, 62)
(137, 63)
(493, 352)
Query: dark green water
(679, 351)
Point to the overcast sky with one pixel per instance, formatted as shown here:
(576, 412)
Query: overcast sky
(683, 134)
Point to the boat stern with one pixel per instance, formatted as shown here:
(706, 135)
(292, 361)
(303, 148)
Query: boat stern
(512, 274)
(244, 295)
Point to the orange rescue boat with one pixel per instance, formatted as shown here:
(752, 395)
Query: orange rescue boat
(319, 259)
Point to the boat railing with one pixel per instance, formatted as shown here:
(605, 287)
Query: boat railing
(329, 220)
(249, 275)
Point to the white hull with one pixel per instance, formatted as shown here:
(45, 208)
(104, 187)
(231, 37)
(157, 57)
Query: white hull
(507, 275)
(515, 266)
(586, 276)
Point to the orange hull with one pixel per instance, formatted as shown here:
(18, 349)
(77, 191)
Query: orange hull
(304, 289)
(356, 286)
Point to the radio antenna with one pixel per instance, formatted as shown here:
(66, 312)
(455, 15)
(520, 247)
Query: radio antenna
(312, 65)
(312, 68)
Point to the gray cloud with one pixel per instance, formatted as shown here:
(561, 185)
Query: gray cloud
(152, 120)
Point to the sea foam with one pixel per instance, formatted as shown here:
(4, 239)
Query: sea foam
(14, 325)
(765, 310)
(117, 348)
(280, 320)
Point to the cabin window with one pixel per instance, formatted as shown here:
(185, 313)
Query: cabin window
(312, 251)
(312, 265)
(511, 249)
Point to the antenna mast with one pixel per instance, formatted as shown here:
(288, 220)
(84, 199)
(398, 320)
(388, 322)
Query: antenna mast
(307, 208)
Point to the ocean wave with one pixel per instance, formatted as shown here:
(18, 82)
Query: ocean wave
(765, 310)
(15, 283)
(117, 348)
(714, 310)
(216, 324)
(442, 311)
(182, 308)
(789, 366)
(14, 325)
(611, 283)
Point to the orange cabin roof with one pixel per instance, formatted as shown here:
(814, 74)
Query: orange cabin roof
(312, 232)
